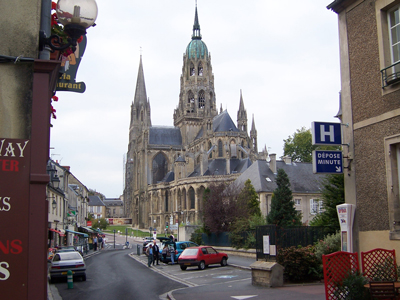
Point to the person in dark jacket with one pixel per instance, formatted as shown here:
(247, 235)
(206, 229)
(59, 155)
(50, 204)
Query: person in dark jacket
(156, 252)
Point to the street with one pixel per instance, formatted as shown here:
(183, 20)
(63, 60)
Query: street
(114, 275)
(123, 274)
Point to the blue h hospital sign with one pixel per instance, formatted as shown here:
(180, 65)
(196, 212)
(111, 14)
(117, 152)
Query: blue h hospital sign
(324, 133)
(325, 161)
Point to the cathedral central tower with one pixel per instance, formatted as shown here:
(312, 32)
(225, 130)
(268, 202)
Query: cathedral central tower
(197, 105)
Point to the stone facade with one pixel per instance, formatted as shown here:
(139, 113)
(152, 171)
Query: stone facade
(169, 168)
(370, 109)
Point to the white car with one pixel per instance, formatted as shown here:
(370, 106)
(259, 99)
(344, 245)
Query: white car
(64, 261)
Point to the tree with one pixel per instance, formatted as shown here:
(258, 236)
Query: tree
(299, 146)
(249, 195)
(332, 195)
(221, 207)
(283, 212)
(100, 223)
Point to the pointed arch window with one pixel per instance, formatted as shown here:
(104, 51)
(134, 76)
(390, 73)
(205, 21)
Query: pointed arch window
(200, 69)
(202, 99)
(192, 70)
(190, 97)
(141, 115)
(166, 201)
(160, 167)
(220, 148)
(192, 198)
(209, 147)
(211, 100)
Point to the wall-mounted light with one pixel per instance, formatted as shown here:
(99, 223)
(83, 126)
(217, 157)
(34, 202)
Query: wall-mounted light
(76, 16)
(54, 204)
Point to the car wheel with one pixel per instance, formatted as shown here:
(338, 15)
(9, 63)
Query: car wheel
(202, 265)
(224, 262)
(84, 277)
(183, 268)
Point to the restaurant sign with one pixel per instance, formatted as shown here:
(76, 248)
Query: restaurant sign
(14, 217)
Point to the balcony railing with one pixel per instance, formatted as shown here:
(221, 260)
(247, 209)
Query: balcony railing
(390, 74)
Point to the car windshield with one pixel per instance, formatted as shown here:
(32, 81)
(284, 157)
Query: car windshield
(190, 252)
(70, 255)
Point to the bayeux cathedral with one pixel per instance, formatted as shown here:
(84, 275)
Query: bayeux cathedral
(168, 168)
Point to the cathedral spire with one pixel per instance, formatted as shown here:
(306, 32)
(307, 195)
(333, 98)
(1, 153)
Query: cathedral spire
(196, 27)
(242, 115)
(253, 136)
(140, 93)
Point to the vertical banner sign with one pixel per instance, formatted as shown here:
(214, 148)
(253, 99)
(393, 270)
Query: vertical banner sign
(14, 217)
(67, 81)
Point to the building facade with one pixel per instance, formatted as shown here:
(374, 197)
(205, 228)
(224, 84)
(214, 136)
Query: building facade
(369, 34)
(168, 168)
(305, 186)
(67, 206)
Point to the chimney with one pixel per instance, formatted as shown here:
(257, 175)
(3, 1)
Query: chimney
(272, 162)
(287, 160)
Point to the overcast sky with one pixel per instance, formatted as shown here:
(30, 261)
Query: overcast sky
(283, 55)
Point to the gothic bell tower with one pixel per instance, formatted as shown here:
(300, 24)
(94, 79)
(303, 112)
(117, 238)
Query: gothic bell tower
(197, 105)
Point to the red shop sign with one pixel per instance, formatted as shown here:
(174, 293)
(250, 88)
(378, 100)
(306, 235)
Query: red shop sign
(14, 217)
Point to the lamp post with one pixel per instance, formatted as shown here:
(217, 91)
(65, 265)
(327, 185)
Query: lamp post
(76, 16)
(55, 240)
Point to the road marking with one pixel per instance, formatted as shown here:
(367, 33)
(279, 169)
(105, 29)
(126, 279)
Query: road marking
(226, 276)
(168, 275)
(243, 297)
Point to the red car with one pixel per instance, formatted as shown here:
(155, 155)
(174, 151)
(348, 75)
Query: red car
(202, 257)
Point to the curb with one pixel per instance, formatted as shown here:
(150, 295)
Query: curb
(169, 276)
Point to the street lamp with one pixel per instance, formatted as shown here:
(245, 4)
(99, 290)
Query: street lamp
(76, 16)
(54, 204)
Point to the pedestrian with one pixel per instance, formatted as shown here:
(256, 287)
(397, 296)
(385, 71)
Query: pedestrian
(149, 252)
(156, 252)
(164, 254)
(172, 253)
(95, 243)
(100, 242)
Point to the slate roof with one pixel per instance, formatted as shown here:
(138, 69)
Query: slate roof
(223, 122)
(163, 135)
(301, 177)
(218, 167)
(113, 202)
(95, 201)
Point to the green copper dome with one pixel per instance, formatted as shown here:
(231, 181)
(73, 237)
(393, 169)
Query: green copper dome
(196, 49)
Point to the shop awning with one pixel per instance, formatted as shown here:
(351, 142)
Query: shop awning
(76, 232)
(97, 230)
(57, 231)
(87, 229)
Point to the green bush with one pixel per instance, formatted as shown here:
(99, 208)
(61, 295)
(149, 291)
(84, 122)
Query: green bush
(330, 244)
(352, 287)
(300, 263)
(196, 236)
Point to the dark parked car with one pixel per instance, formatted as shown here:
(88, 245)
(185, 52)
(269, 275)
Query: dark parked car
(201, 257)
(64, 261)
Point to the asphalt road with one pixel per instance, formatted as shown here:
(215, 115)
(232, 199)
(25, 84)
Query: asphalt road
(114, 275)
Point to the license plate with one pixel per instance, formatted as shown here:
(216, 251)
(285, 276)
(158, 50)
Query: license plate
(187, 264)
(65, 273)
